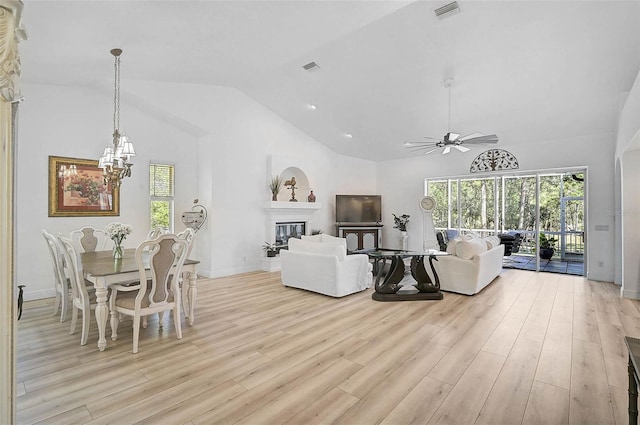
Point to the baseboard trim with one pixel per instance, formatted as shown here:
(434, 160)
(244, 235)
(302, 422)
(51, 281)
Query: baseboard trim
(38, 295)
(634, 295)
(228, 272)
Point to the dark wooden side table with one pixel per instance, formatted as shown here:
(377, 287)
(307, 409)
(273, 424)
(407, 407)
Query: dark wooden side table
(633, 345)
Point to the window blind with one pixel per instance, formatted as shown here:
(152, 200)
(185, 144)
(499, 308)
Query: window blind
(161, 180)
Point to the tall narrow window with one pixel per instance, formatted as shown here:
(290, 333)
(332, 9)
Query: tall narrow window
(161, 183)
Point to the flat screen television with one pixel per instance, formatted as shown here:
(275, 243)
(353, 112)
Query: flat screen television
(358, 208)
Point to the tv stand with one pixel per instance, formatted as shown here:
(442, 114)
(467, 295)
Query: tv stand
(360, 236)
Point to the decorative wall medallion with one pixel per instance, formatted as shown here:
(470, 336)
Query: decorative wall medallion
(494, 159)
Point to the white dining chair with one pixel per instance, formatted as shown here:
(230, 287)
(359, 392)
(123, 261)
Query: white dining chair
(188, 235)
(89, 239)
(83, 294)
(155, 232)
(159, 291)
(61, 283)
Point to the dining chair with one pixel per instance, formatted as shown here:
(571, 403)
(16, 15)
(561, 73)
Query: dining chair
(159, 291)
(61, 283)
(155, 232)
(83, 294)
(188, 235)
(89, 239)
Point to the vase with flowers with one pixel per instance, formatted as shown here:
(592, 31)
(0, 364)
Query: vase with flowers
(118, 232)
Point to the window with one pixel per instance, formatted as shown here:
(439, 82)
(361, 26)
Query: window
(161, 183)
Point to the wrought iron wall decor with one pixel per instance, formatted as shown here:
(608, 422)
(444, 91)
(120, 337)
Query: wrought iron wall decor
(494, 159)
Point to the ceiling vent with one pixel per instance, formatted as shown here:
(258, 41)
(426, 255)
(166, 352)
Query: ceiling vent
(447, 10)
(311, 66)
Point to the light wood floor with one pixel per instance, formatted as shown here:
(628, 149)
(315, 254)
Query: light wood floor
(529, 349)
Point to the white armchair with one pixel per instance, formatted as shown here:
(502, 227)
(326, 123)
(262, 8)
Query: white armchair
(324, 267)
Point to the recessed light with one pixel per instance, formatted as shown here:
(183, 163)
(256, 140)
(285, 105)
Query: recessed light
(407, 144)
(348, 135)
(312, 106)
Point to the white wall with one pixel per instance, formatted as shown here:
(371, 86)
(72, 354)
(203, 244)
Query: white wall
(77, 122)
(219, 140)
(233, 169)
(402, 184)
(627, 213)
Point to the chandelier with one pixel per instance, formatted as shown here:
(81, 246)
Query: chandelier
(115, 160)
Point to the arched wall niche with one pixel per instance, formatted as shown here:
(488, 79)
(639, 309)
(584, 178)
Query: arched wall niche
(287, 167)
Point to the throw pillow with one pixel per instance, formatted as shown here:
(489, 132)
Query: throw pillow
(451, 246)
(298, 245)
(491, 241)
(467, 249)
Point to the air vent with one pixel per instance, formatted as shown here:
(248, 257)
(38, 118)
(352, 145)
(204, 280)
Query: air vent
(447, 10)
(311, 66)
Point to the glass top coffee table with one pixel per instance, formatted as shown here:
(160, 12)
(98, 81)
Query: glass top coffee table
(390, 289)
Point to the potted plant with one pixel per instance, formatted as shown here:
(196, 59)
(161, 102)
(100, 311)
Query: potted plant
(275, 185)
(270, 249)
(400, 223)
(547, 246)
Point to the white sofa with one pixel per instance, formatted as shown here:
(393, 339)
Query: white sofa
(472, 264)
(321, 264)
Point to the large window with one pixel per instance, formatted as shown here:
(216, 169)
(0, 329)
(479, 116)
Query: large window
(530, 203)
(161, 184)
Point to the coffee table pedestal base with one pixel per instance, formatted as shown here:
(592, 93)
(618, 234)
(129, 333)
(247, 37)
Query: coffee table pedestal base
(407, 296)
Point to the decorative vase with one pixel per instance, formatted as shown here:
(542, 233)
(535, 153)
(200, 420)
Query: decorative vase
(117, 251)
(274, 196)
(403, 240)
(271, 253)
(311, 197)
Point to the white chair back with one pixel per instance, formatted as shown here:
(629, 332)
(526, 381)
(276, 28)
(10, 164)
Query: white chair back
(155, 232)
(89, 239)
(61, 285)
(80, 296)
(188, 235)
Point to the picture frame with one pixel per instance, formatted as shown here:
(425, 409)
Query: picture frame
(77, 189)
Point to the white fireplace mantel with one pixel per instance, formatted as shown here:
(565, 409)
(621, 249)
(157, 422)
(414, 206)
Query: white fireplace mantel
(283, 206)
(282, 212)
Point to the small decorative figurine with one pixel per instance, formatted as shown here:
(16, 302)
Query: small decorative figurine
(292, 185)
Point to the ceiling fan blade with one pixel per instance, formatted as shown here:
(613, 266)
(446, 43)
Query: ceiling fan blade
(423, 148)
(446, 150)
(492, 138)
(461, 148)
(471, 136)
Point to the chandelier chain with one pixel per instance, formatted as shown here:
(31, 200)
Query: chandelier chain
(116, 95)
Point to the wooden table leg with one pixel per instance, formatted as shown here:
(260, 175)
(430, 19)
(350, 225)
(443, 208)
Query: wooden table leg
(191, 295)
(102, 311)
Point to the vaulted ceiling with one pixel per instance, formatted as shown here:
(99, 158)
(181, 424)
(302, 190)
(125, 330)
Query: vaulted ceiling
(529, 71)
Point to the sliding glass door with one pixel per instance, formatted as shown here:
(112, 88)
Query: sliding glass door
(546, 208)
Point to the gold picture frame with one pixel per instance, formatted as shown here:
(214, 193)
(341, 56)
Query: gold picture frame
(77, 189)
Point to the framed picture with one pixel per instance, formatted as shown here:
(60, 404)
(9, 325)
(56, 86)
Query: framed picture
(76, 188)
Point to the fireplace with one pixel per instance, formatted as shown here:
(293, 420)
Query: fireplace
(283, 221)
(286, 230)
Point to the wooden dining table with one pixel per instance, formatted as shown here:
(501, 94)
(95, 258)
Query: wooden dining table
(101, 269)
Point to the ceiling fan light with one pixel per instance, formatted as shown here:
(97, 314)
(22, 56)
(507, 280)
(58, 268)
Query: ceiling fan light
(446, 150)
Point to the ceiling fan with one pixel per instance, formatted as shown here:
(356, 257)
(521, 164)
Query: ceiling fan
(450, 140)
